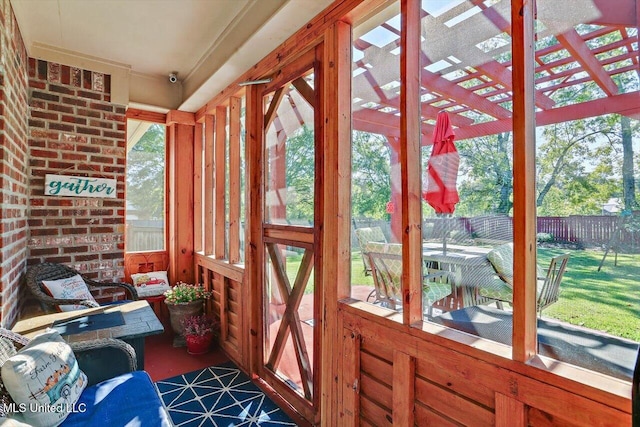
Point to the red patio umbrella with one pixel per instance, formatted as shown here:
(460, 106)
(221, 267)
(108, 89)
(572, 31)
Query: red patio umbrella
(441, 192)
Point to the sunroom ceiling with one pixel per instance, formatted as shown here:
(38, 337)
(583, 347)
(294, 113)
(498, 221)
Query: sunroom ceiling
(207, 42)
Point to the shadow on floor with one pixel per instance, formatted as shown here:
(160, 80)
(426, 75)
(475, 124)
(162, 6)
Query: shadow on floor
(162, 360)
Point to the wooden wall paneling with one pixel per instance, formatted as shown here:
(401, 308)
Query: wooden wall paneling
(221, 284)
(374, 413)
(426, 417)
(349, 384)
(537, 418)
(410, 127)
(510, 412)
(220, 205)
(377, 393)
(209, 125)
(477, 375)
(180, 215)
(235, 105)
(333, 121)
(379, 369)
(198, 193)
(403, 389)
(524, 179)
(451, 406)
(254, 206)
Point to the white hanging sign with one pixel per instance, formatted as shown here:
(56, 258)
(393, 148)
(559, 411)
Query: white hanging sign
(79, 186)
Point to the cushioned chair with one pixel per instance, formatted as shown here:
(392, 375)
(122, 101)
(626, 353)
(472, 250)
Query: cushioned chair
(115, 394)
(137, 263)
(548, 283)
(367, 235)
(48, 271)
(386, 269)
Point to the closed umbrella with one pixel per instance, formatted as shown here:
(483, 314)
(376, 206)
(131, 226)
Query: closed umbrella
(442, 170)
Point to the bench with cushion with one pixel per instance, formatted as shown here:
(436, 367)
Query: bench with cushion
(59, 287)
(47, 382)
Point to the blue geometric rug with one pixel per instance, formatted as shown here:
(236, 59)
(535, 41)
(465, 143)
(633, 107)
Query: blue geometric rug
(219, 396)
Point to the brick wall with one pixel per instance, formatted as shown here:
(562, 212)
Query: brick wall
(13, 157)
(75, 130)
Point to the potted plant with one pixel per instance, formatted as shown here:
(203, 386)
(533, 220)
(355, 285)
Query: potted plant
(199, 332)
(184, 300)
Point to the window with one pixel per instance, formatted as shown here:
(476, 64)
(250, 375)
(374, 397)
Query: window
(587, 168)
(145, 188)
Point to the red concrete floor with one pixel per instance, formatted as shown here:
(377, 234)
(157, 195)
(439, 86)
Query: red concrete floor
(162, 360)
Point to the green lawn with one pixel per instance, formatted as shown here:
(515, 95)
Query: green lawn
(607, 301)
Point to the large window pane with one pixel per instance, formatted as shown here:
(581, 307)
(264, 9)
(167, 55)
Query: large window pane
(588, 148)
(467, 161)
(290, 156)
(145, 192)
(376, 190)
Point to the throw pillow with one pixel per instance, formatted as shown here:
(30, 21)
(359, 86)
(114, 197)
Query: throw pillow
(44, 379)
(150, 284)
(502, 259)
(69, 288)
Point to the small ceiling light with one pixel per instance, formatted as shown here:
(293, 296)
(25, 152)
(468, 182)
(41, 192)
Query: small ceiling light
(255, 82)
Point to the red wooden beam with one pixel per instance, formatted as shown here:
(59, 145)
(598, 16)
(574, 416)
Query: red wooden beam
(625, 104)
(572, 41)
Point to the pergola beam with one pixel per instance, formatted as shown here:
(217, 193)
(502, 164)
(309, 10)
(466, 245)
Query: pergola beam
(579, 50)
(625, 104)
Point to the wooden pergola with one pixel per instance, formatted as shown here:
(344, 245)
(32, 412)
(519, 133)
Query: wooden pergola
(473, 83)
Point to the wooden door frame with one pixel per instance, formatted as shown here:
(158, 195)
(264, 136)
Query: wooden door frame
(257, 232)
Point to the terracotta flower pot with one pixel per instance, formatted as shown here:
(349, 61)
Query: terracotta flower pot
(199, 344)
(177, 313)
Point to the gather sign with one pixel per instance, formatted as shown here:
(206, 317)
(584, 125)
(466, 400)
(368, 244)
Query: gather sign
(79, 186)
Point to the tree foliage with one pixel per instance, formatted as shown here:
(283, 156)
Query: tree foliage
(371, 176)
(145, 174)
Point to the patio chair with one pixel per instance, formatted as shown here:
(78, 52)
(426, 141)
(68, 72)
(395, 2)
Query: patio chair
(147, 271)
(367, 235)
(548, 284)
(49, 271)
(386, 270)
(114, 392)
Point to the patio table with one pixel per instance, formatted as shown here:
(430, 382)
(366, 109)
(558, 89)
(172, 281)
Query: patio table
(469, 268)
(139, 321)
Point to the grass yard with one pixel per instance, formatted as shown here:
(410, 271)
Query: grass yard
(608, 300)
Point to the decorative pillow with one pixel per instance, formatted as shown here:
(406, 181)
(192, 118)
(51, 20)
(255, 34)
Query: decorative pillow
(150, 284)
(69, 288)
(44, 379)
(502, 259)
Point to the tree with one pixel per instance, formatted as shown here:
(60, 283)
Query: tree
(145, 174)
(371, 175)
(486, 175)
(300, 174)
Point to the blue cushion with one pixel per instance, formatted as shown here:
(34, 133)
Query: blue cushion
(129, 399)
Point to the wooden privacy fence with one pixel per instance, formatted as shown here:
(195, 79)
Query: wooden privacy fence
(585, 230)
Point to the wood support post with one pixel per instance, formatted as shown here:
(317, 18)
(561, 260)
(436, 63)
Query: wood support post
(334, 202)
(410, 126)
(524, 181)
(180, 157)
